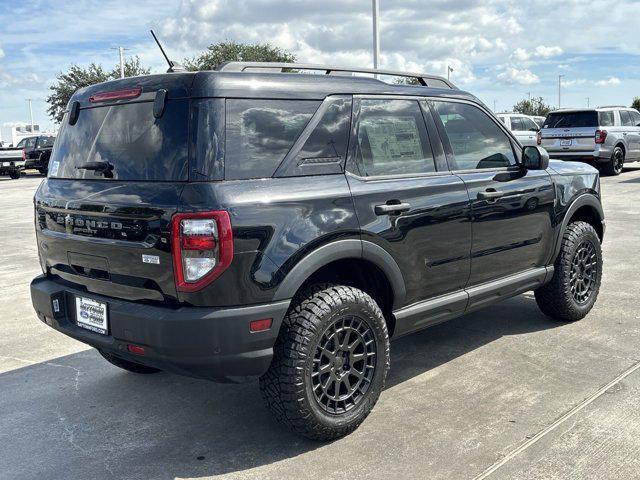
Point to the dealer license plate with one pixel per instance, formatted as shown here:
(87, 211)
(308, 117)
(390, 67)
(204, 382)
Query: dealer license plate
(92, 315)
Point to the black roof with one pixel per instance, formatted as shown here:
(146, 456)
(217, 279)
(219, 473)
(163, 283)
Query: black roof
(261, 85)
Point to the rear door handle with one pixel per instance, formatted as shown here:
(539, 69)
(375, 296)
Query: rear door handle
(489, 194)
(392, 208)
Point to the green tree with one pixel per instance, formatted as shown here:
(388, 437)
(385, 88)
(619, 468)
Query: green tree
(77, 77)
(229, 51)
(636, 103)
(535, 106)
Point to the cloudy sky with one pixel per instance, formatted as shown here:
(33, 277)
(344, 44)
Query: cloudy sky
(500, 50)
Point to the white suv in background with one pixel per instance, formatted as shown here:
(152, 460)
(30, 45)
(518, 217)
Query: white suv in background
(522, 126)
(606, 137)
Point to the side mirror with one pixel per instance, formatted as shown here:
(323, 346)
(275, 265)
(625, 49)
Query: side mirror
(535, 158)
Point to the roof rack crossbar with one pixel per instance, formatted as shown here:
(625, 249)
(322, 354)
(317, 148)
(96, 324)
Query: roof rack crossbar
(422, 78)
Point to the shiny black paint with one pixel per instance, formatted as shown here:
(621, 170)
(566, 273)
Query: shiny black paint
(446, 241)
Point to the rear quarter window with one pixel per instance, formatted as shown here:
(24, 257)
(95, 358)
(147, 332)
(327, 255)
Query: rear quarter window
(259, 133)
(607, 119)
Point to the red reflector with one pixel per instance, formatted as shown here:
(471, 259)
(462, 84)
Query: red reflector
(260, 325)
(135, 349)
(198, 243)
(115, 95)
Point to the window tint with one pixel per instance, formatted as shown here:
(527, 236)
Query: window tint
(208, 158)
(325, 148)
(571, 119)
(392, 139)
(625, 116)
(259, 133)
(44, 142)
(27, 142)
(607, 119)
(129, 139)
(516, 124)
(476, 140)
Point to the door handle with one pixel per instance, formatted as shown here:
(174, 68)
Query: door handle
(392, 208)
(489, 194)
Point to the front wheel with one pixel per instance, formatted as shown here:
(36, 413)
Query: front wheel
(575, 284)
(330, 362)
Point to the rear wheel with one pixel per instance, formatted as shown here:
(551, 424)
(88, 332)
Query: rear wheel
(43, 171)
(574, 288)
(330, 362)
(15, 174)
(615, 165)
(128, 365)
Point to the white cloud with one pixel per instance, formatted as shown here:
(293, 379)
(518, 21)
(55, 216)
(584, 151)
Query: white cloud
(547, 52)
(515, 76)
(1, 52)
(520, 55)
(608, 82)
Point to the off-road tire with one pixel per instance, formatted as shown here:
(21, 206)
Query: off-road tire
(557, 299)
(128, 365)
(15, 175)
(287, 386)
(616, 164)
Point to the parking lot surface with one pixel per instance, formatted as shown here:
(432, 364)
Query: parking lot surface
(503, 393)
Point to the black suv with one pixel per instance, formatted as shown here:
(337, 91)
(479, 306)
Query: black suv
(237, 223)
(37, 152)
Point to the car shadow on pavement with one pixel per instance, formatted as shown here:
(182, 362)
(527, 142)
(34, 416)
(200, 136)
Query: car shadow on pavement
(79, 417)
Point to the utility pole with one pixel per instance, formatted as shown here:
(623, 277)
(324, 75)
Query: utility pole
(588, 99)
(559, 89)
(494, 106)
(376, 33)
(30, 115)
(121, 55)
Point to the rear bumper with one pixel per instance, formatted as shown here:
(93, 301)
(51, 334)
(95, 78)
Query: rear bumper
(7, 167)
(212, 343)
(596, 156)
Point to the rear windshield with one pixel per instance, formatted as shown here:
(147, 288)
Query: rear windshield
(127, 141)
(571, 119)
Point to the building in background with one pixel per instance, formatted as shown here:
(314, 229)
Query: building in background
(12, 133)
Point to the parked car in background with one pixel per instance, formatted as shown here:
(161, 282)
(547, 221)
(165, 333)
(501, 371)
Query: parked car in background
(37, 151)
(295, 225)
(522, 126)
(12, 162)
(606, 137)
(539, 120)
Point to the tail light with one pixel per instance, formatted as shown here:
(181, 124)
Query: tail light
(539, 137)
(601, 136)
(24, 154)
(202, 247)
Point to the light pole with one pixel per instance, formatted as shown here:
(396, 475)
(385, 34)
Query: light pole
(559, 89)
(494, 106)
(588, 101)
(376, 32)
(30, 114)
(121, 55)
(449, 71)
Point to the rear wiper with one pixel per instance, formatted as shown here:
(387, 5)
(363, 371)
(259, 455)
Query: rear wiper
(105, 168)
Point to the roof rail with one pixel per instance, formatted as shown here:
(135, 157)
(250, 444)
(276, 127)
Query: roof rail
(613, 106)
(423, 79)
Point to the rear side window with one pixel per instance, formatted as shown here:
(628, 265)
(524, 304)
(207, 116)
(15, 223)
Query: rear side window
(476, 140)
(392, 139)
(625, 116)
(635, 116)
(44, 142)
(516, 124)
(572, 119)
(125, 139)
(259, 133)
(607, 119)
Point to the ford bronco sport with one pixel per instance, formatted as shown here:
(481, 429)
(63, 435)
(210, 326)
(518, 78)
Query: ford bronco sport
(246, 222)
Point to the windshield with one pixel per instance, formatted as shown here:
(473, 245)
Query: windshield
(126, 141)
(572, 119)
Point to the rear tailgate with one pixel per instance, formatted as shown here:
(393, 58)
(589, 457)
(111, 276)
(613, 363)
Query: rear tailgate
(115, 177)
(578, 139)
